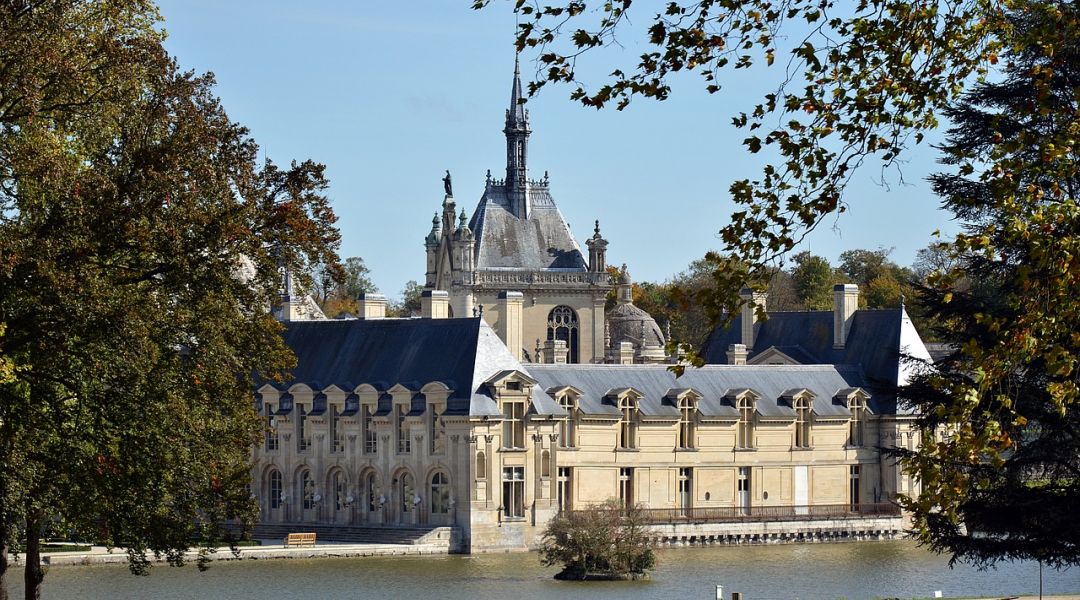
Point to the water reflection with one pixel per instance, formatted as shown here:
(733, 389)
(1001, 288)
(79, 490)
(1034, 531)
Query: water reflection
(860, 570)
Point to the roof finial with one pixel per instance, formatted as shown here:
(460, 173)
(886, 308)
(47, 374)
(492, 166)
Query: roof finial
(596, 230)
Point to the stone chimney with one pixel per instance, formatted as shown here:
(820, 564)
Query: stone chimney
(626, 353)
(434, 304)
(736, 354)
(371, 306)
(555, 352)
(510, 321)
(750, 301)
(845, 303)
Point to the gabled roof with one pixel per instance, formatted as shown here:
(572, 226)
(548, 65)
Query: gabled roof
(714, 382)
(543, 241)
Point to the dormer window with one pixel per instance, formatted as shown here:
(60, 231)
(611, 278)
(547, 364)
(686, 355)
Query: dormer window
(802, 421)
(628, 407)
(855, 399)
(567, 397)
(511, 389)
(687, 404)
(513, 433)
(744, 437)
(858, 414)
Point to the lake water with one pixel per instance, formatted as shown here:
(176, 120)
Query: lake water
(851, 570)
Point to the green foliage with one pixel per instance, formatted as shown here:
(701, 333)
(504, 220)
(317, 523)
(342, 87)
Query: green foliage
(409, 305)
(141, 242)
(859, 82)
(813, 278)
(1000, 459)
(607, 540)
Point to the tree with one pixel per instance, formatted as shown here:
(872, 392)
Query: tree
(606, 541)
(813, 279)
(141, 244)
(860, 82)
(409, 305)
(338, 286)
(1000, 418)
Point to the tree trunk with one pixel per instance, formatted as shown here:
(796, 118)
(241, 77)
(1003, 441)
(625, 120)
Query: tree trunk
(33, 575)
(3, 562)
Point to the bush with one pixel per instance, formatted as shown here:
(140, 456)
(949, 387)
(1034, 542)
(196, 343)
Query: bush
(606, 541)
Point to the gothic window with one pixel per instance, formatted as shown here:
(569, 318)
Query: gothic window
(563, 325)
(303, 432)
(403, 445)
(440, 494)
(858, 413)
(276, 489)
(307, 488)
(745, 434)
(628, 423)
(687, 418)
(513, 433)
(802, 422)
(367, 423)
(271, 429)
(336, 434)
(513, 498)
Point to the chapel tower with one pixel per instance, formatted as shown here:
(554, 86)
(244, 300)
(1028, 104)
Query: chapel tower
(516, 262)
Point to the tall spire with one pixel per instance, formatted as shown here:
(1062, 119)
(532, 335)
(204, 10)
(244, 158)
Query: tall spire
(517, 148)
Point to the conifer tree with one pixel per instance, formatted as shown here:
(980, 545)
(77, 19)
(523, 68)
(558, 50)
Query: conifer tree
(999, 462)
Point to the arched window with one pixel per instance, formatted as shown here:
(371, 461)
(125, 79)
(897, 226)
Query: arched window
(307, 487)
(545, 464)
(337, 484)
(563, 325)
(802, 422)
(407, 492)
(371, 488)
(276, 489)
(687, 419)
(440, 494)
(858, 413)
(628, 423)
(481, 465)
(745, 434)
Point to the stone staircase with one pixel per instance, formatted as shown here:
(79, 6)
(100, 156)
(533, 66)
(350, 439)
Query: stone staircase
(345, 534)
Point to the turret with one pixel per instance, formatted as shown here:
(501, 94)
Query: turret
(597, 251)
(517, 149)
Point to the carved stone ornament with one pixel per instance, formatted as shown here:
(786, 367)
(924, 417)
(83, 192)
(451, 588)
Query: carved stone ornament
(472, 438)
(489, 438)
(554, 437)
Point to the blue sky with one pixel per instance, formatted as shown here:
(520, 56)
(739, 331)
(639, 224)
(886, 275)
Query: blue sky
(391, 94)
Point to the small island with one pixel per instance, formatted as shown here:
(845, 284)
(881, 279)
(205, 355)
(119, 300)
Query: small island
(600, 543)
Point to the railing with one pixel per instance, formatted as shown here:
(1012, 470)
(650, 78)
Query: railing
(735, 514)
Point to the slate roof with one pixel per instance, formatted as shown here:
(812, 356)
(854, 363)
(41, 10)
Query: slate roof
(543, 241)
(873, 341)
(718, 384)
(461, 353)
(876, 342)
